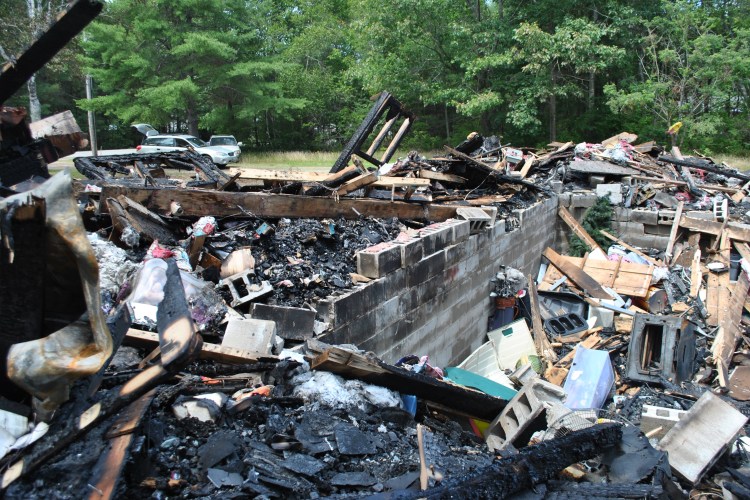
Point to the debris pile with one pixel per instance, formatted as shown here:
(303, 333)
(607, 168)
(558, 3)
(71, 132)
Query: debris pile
(162, 337)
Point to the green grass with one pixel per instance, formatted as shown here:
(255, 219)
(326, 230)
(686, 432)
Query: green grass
(288, 159)
(738, 162)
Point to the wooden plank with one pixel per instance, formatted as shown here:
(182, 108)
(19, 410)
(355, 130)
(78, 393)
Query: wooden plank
(352, 365)
(440, 176)
(388, 181)
(673, 232)
(358, 182)
(578, 229)
(528, 162)
(109, 467)
(743, 249)
(696, 275)
(735, 230)
(197, 203)
(279, 175)
(652, 260)
(710, 187)
(627, 278)
(730, 315)
(543, 347)
(213, 352)
(579, 276)
(712, 299)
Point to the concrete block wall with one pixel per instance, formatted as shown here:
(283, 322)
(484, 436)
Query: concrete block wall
(439, 304)
(638, 227)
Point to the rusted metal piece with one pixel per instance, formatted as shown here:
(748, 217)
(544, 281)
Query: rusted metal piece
(178, 341)
(69, 338)
(13, 76)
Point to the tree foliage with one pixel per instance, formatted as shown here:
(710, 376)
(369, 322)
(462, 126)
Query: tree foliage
(298, 74)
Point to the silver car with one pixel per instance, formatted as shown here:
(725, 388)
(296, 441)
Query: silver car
(220, 155)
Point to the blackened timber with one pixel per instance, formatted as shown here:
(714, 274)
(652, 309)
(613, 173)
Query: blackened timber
(704, 165)
(489, 171)
(67, 26)
(531, 466)
(334, 180)
(197, 203)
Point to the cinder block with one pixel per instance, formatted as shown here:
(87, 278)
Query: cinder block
(379, 260)
(253, 335)
(658, 229)
(492, 212)
(622, 214)
(628, 228)
(657, 417)
(666, 217)
(436, 237)
(292, 323)
(425, 269)
(477, 218)
(647, 241)
(461, 229)
(243, 289)
(565, 199)
(583, 200)
(644, 216)
(412, 250)
(611, 191)
(524, 415)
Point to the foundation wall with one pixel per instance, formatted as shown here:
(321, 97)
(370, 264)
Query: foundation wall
(439, 305)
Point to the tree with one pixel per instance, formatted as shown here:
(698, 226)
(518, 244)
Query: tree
(693, 67)
(198, 64)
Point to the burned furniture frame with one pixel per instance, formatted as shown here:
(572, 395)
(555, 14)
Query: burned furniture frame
(661, 347)
(386, 105)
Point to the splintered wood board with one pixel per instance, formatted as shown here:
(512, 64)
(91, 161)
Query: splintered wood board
(624, 278)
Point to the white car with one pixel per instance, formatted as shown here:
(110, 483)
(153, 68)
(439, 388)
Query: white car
(227, 141)
(158, 143)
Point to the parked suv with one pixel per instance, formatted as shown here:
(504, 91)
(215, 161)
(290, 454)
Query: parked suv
(228, 141)
(220, 155)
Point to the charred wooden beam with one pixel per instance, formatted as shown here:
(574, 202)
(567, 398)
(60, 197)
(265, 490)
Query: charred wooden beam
(67, 26)
(532, 465)
(703, 165)
(197, 203)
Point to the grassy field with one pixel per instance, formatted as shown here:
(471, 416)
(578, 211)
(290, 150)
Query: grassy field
(739, 162)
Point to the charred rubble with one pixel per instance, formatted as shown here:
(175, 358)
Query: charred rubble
(161, 336)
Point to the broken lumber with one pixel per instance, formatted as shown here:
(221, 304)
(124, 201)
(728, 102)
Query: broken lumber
(703, 165)
(588, 284)
(541, 342)
(197, 203)
(356, 183)
(440, 176)
(673, 233)
(214, 352)
(578, 229)
(652, 260)
(352, 365)
(735, 230)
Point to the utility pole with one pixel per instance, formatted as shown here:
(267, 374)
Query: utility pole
(92, 120)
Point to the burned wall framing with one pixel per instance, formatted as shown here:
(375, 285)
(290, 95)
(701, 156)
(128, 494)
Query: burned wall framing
(439, 303)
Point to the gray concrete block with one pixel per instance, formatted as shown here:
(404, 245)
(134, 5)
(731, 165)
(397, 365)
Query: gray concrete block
(253, 335)
(379, 260)
(622, 214)
(611, 191)
(491, 211)
(565, 199)
(425, 269)
(666, 217)
(644, 216)
(658, 229)
(436, 237)
(292, 323)
(461, 230)
(583, 200)
(388, 312)
(412, 250)
(627, 228)
(647, 241)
